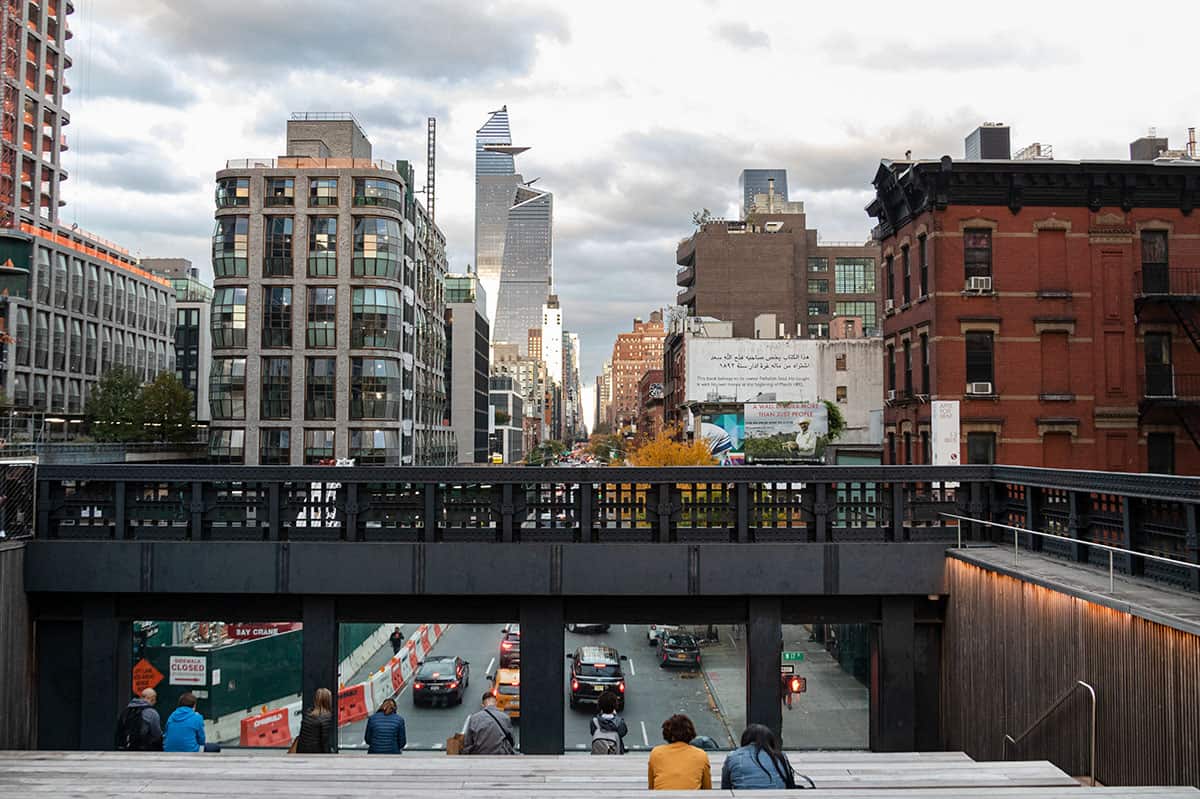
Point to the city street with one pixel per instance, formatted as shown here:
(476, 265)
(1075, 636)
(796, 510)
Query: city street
(652, 693)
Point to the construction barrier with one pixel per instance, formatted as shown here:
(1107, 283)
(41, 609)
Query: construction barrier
(277, 727)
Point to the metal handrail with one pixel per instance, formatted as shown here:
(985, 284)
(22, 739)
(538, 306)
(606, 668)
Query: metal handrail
(1108, 548)
(1066, 695)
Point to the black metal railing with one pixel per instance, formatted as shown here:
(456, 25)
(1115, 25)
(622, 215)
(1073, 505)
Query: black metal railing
(1159, 280)
(1154, 514)
(1163, 382)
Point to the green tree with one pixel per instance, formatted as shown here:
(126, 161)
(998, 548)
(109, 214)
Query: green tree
(546, 452)
(607, 446)
(837, 422)
(114, 408)
(166, 410)
(702, 217)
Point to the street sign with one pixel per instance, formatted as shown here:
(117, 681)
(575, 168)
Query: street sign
(797, 656)
(145, 676)
(188, 670)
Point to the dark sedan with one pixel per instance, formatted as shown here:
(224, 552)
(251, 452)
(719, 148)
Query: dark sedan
(441, 681)
(678, 649)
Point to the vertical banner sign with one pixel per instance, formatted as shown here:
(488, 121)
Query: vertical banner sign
(946, 446)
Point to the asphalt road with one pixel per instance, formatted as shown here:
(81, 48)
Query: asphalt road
(652, 693)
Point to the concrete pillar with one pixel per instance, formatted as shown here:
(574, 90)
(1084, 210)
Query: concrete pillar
(893, 689)
(319, 654)
(764, 644)
(106, 646)
(543, 671)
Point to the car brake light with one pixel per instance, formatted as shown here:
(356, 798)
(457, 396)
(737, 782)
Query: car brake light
(621, 686)
(418, 685)
(574, 684)
(506, 644)
(454, 683)
(496, 692)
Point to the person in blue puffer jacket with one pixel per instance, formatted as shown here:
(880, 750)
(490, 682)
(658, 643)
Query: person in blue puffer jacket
(185, 727)
(385, 733)
(758, 763)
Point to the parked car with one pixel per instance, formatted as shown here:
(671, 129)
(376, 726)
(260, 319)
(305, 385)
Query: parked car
(678, 649)
(510, 646)
(654, 630)
(506, 687)
(594, 670)
(441, 681)
(588, 628)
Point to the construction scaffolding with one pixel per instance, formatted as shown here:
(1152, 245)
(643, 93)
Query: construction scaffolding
(10, 45)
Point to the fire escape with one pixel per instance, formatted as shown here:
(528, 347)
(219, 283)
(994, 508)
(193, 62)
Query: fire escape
(1161, 295)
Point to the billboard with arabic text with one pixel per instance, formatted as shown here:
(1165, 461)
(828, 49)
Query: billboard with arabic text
(739, 370)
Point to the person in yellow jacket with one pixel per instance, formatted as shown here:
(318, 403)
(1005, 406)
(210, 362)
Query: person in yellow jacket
(677, 765)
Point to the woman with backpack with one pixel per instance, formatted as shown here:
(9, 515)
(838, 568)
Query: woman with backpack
(758, 763)
(608, 730)
(317, 734)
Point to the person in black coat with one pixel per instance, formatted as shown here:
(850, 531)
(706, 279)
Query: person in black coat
(317, 734)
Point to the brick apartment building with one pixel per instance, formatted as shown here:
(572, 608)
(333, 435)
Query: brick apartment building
(805, 284)
(634, 354)
(650, 421)
(1057, 301)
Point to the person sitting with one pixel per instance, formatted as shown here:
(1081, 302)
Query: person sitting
(677, 765)
(385, 733)
(185, 727)
(488, 731)
(608, 730)
(758, 763)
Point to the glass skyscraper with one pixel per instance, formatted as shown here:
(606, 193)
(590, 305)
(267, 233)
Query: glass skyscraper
(757, 181)
(513, 228)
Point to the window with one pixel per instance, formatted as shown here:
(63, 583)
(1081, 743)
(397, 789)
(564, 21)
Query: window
(39, 392)
(375, 447)
(1160, 374)
(58, 346)
(277, 316)
(320, 388)
(58, 395)
(76, 285)
(840, 363)
(22, 336)
(863, 310)
(322, 246)
(908, 383)
(277, 252)
(891, 277)
(276, 401)
(854, 275)
(318, 446)
(818, 330)
(375, 388)
(373, 191)
(233, 193)
(60, 280)
(322, 317)
(230, 246)
(817, 308)
(322, 191)
(841, 394)
(106, 300)
(118, 348)
(280, 191)
(818, 264)
(891, 367)
(818, 286)
(274, 446)
(76, 346)
(923, 265)
(906, 263)
(229, 317)
(1160, 453)
(977, 252)
(93, 289)
(74, 397)
(891, 448)
(376, 318)
(926, 453)
(106, 349)
(979, 358)
(21, 391)
(378, 247)
(227, 388)
(227, 446)
(43, 275)
(141, 306)
(908, 450)
(131, 303)
(1156, 277)
(925, 364)
(981, 448)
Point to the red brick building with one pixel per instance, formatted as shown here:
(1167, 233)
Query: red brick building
(1059, 302)
(650, 404)
(634, 354)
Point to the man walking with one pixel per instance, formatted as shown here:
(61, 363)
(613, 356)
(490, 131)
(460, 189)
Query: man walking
(139, 728)
(488, 731)
(397, 639)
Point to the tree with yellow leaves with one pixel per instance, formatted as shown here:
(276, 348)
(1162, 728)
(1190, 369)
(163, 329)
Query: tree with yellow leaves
(664, 450)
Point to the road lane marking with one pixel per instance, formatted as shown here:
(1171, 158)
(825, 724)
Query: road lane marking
(625, 627)
(632, 670)
(491, 663)
(645, 737)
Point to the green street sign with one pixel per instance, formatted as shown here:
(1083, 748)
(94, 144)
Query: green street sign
(793, 656)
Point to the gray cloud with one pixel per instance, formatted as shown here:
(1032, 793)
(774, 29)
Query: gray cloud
(742, 36)
(998, 49)
(136, 75)
(147, 175)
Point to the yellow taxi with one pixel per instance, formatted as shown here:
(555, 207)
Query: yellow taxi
(506, 687)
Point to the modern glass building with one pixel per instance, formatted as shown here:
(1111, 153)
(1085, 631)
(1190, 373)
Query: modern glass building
(513, 235)
(757, 181)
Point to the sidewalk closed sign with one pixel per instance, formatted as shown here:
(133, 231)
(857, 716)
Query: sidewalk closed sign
(188, 670)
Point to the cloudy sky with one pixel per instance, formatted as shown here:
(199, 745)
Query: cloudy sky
(637, 113)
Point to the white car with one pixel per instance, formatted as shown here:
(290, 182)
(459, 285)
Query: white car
(655, 630)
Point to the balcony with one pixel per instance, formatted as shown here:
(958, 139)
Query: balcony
(1164, 283)
(685, 253)
(686, 297)
(685, 276)
(1163, 386)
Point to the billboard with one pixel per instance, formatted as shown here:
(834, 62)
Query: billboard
(724, 433)
(740, 369)
(785, 430)
(945, 432)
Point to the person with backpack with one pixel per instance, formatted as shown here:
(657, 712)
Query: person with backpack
(608, 730)
(139, 728)
(488, 731)
(185, 727)
(758, 763)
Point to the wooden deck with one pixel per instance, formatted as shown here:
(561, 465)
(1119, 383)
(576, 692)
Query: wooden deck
(845, 775)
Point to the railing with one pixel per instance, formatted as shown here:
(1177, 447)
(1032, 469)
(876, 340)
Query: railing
(1008, 739)
(1162, 382)
(306, 162)
(1167, 282)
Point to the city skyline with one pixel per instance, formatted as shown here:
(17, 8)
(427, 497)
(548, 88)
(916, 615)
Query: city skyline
(149, 126)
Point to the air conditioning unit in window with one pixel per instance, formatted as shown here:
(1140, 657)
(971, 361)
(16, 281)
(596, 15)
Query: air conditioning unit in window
(979, 388)
(891, 395)
(979, 284)
(889, 305)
